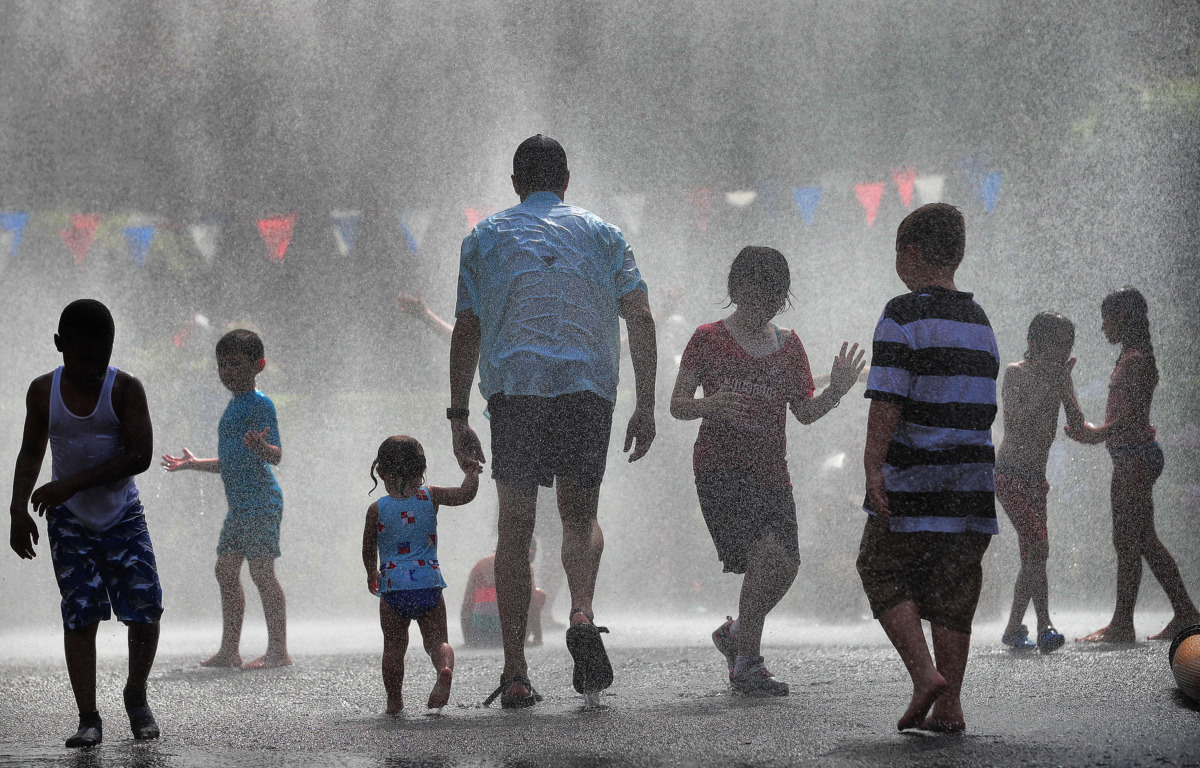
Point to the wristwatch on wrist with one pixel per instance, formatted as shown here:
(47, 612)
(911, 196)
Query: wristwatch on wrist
(457, 413)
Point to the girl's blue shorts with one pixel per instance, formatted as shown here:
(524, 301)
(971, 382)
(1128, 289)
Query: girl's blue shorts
(413, 604)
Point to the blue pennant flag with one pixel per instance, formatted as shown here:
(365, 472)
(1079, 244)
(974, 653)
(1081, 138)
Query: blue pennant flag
(345, 230)
(807, 199)
(138, 239)
(409, 237)
(14, 223)
(990, 190)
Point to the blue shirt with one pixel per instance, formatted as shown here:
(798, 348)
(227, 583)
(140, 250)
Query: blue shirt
(934, 355)
(546, 279)
(407, 540)
(250, 485)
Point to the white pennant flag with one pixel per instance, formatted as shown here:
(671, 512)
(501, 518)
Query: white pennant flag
(929, 188)
(741, 198)
(630, 208)
(205, 235)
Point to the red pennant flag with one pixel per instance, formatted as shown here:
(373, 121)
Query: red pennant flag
(905, 178)
(702, 204)
(870, 195)
(475, 215)
(276, 234)
(79, 237)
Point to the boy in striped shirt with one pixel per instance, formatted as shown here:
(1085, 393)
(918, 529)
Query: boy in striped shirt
(929, 462)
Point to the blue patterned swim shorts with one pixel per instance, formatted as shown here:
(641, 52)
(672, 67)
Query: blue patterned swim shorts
(101, 573)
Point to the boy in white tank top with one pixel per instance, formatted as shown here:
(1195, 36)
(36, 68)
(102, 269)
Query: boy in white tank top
(98, 426)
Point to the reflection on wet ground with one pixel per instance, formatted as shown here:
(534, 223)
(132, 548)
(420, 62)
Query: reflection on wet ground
(669, 707)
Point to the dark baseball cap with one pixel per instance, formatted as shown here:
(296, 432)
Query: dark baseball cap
(540, 162)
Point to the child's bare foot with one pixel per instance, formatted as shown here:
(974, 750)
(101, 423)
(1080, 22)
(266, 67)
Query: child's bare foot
(1110, 634)
(224, 659)
(269, 661)
(441, 689)
(945, 717)
(923, 697)
(394, 707)
(1176, 626)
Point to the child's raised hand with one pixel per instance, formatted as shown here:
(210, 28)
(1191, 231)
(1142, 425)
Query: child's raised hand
(256, 440)
(847, 367)
(410, 305)
(176, 463)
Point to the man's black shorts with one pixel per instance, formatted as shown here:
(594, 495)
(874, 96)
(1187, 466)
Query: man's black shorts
(535, 439)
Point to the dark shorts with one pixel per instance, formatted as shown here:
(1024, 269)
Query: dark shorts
(740, 512)
(535, 439)
(413, 604)
(104, 573)
(1150, 453)
(254, 535)
(940, 572)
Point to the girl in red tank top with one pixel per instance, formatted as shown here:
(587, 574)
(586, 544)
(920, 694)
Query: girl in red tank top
(1137, 463)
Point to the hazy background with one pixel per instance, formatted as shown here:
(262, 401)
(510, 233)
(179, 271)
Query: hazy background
(228, 111)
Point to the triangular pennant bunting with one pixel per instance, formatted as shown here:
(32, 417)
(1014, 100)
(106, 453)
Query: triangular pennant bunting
(14, 225)
(990, 190)
(206, 235)
(80, 235)
(345, 229)
(138, 239)
(276, 234)
(701, 200)
(905, 178)
(929, 188)
(630, 208)
(741, 198)
(870, 195)
(413, 225)
(807, 199)
(475, 215)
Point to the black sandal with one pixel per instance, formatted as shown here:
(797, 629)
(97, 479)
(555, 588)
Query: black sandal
(593, 671)
(513, 702)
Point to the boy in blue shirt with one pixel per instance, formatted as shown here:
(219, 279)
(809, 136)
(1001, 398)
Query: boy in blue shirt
(248, 445)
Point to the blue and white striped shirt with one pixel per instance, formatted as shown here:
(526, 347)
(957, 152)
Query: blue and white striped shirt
(934, 355)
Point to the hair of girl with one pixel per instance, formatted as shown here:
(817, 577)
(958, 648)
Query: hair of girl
(1048, 329)
(759, 268)
(401, 457)
(1127, 308)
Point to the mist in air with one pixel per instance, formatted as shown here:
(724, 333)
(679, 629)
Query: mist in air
(207, 118)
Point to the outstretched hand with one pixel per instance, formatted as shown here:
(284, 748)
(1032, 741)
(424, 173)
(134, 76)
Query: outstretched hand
(639, 434)
(176, 463)
(411, 305)
(847, 367)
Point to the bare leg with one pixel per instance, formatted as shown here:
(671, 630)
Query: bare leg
(143, 645)
(583, 544)
(395, 643)
(233, 608)
(769, 575)
(437, 645)
(513, 583)
(1132, 511)
(951, 649)
(537, 603)
(1032, 586)
(80, 648)
(262, 572)
(903, 627)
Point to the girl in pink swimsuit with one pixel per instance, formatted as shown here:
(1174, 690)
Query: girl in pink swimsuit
(1137, 463)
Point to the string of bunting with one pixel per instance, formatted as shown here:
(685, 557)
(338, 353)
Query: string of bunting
(276, 230)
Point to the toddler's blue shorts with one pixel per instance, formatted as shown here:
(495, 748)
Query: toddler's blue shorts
(106, 572)
(254, 534)
(413, 604)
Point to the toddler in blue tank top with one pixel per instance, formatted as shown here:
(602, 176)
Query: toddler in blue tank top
(400, 555)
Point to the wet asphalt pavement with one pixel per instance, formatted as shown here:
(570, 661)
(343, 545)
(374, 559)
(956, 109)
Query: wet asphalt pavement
(668, 707)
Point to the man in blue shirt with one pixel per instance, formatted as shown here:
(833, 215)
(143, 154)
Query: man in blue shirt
(540, 288)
